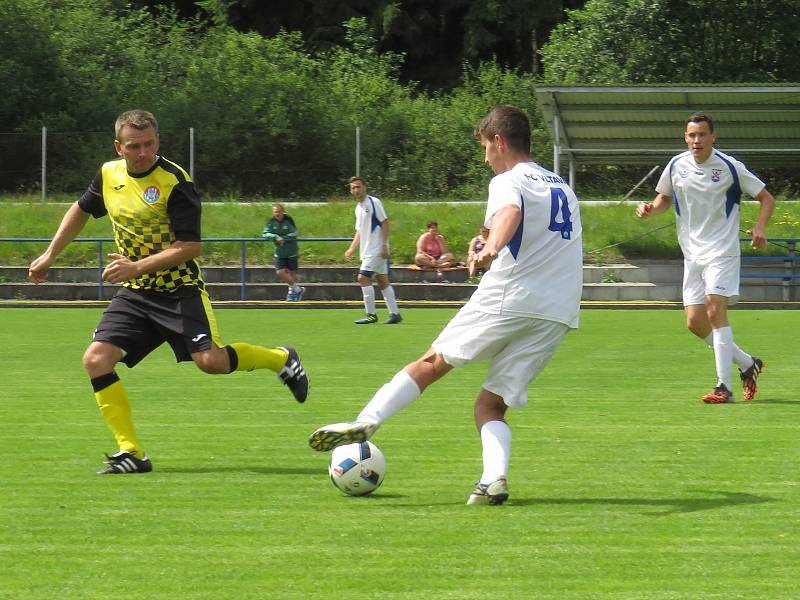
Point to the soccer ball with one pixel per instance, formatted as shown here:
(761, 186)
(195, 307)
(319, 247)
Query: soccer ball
(357, 469)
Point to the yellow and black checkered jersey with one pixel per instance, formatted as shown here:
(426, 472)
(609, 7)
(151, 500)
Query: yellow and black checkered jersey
(148, 212)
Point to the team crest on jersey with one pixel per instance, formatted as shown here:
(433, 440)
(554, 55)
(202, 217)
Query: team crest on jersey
(715, 175)
(683, 173)
(151, 194)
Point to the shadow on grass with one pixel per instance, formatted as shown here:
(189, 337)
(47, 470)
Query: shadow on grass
(775, 401)
(671, 505)
(260, 470)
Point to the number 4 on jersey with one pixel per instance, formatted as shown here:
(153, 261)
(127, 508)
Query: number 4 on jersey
(560, 204)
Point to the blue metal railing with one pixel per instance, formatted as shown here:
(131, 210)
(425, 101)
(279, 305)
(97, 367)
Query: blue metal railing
(242, 253)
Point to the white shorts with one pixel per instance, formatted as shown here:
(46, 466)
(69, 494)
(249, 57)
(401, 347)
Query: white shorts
(720, 276)
(374, 265)
(519, 348)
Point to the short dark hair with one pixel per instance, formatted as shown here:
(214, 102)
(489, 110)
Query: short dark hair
(433, 224)
(357, 178)
(138, 119)
(700, 117)
(510, 122)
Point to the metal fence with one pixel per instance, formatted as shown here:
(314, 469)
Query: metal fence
(250, 163)
(243, 242)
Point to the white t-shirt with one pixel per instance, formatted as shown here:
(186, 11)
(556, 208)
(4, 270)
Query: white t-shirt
(540, 271)
(369, 216)
(706, 198)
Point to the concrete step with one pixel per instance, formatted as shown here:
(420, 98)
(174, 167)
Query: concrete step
(642, 281)
(613, 273)
(329, 291)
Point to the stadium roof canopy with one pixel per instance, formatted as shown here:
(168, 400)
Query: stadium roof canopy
(759, 125)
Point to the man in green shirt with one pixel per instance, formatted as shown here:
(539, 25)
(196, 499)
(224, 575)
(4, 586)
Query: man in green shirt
(281, 230)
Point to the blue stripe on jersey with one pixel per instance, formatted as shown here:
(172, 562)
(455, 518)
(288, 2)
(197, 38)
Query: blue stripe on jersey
(674, 195)
(516, 241)
(734, 193)
(375, 222)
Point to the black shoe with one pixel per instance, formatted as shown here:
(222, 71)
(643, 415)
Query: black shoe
(124, 462)
(393, 318)
(370, 318)
(293, 375)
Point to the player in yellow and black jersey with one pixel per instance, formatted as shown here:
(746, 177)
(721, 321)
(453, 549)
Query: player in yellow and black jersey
(155, 214)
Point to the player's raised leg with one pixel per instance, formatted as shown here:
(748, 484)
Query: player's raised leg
(241, 356)
(405, 387)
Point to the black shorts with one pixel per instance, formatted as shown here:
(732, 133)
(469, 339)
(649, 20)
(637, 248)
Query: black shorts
(139, 321)
(289, 263)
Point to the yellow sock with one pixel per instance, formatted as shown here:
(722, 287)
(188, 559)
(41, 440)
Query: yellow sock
(257, 357)
(116, 410)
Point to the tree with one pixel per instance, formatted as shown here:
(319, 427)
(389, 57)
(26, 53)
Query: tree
(436, 36)
(671, 41)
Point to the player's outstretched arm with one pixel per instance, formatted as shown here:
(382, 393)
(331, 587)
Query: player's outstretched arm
(764, 213)
(348, 254)
(121, 268)
(71, 225)
(659, 205)
(504, 224)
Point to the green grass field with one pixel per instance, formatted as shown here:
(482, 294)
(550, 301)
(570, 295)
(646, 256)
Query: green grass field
(624, 484)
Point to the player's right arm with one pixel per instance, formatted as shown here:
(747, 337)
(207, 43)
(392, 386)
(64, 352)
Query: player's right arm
(71, 225)
(348, 254)
(659, 205)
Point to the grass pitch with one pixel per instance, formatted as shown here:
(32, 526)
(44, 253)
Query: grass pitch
(623, 484)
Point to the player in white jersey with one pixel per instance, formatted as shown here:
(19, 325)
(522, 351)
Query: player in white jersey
(705, 186)
(372, 240)
(517, 317)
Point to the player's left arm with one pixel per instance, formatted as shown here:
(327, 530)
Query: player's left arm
(505, 223)
(183, 208)
(385, 238)
(759, 230)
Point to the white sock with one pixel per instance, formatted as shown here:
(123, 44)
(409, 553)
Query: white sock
(723, 354)
(742, 359)
(401, 391)
(369, 298)
(391, 302)
(496, 441)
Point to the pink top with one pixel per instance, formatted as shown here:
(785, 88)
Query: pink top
(431, 245)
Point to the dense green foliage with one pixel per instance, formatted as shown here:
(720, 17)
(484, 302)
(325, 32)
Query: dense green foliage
(663, 41)
(616, 492)
(436, 37)
(275, 108)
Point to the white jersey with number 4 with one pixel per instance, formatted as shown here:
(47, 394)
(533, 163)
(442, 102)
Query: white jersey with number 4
(706, 198)
(369, 216)
(539, 273)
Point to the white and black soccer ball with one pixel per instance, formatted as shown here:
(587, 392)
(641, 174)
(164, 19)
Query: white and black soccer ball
(357, 469)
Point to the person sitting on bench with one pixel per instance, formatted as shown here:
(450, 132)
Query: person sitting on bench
(432, 252)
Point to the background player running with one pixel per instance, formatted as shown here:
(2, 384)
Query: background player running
(705, 187)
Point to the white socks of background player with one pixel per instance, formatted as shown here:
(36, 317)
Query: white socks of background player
(401, 391)
(728, 352)
(391, 302)
(496, 441)
(369, 298)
